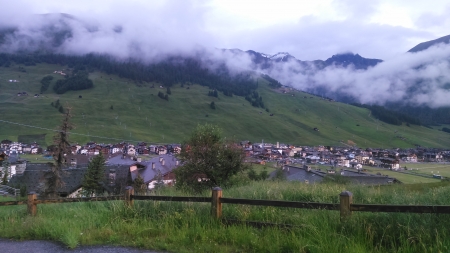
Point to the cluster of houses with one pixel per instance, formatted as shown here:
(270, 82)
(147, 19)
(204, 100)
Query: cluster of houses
(155, 163)
(124, 163)
(11, 148)
(16, 148)
(141, 148)
(341, 156)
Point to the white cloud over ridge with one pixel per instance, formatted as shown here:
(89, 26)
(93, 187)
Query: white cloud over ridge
(150, 32)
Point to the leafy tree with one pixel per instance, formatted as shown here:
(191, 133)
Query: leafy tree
(93, 179)
(208, 160)
(212, 105)
(53, 178)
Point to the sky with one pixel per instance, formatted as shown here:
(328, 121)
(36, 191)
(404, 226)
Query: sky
(308, 30)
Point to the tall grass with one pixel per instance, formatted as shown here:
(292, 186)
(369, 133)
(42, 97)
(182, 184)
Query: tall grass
(187, 227)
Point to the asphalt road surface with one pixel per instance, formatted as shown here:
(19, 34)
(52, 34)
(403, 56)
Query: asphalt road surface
(11, 246)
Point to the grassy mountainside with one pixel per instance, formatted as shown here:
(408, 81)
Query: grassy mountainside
(138, 114)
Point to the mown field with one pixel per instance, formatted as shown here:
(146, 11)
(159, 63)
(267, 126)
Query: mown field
(188, 227)
(119, 110)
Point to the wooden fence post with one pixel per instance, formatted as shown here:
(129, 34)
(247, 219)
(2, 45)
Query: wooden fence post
(346, 200)
(216, 205)
(129, 191)
(32, 207)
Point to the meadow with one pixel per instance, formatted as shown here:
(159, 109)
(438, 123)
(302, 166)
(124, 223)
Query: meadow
(188, 227)
(117, 110)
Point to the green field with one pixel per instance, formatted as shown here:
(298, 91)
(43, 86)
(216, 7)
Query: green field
(403, 177)
(138, 114)
(188, 226)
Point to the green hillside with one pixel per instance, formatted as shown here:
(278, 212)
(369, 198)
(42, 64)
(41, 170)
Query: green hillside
(121, 110)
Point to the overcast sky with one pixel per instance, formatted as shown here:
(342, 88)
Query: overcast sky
(308, 30)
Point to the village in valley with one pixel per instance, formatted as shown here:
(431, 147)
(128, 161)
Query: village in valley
(155, 163)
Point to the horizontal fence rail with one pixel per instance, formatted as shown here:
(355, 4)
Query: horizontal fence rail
(345, 205)
(12, 203)
(172, 198)
(399, 208)
(278, 203)
(71, 200)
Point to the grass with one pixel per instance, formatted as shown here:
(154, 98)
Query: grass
(138, 114)
(187, 227)
(403, 177)
(428, 169)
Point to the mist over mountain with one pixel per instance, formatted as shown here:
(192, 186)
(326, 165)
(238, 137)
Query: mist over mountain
(412, 79)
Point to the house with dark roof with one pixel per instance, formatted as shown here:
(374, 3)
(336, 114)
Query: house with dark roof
(33, 177)
(157, 169)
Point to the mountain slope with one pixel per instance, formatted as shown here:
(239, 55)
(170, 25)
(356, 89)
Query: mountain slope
(120, 110)
(425, 45)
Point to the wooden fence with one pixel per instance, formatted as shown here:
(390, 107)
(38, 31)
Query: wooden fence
(345, 206)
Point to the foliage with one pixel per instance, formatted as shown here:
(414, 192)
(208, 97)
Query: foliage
(161, 95)
(208, 160)
(279, 175)
(159, 180)
(252, 175)
(446, 129)
(212, 105)
(255, 99)
(53, 178)
(272, 82)
(389, 116)
(168, 91)
(213, 93)
(94, 178)
(45, 82)
(188, 227)
(171, 71)
(139, 185)
(6, 171)
(77, 81)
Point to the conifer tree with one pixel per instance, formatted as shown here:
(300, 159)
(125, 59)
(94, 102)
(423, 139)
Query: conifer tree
(139, 185)
(53, 178)
(94, 177)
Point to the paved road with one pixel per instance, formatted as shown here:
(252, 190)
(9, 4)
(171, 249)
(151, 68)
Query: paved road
(10, 246)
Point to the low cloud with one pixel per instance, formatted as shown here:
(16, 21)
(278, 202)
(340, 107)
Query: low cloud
(421, 78)
(178, 28)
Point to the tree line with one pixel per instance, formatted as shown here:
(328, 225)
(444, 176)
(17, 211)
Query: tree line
(171, 71)
(389, 116)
